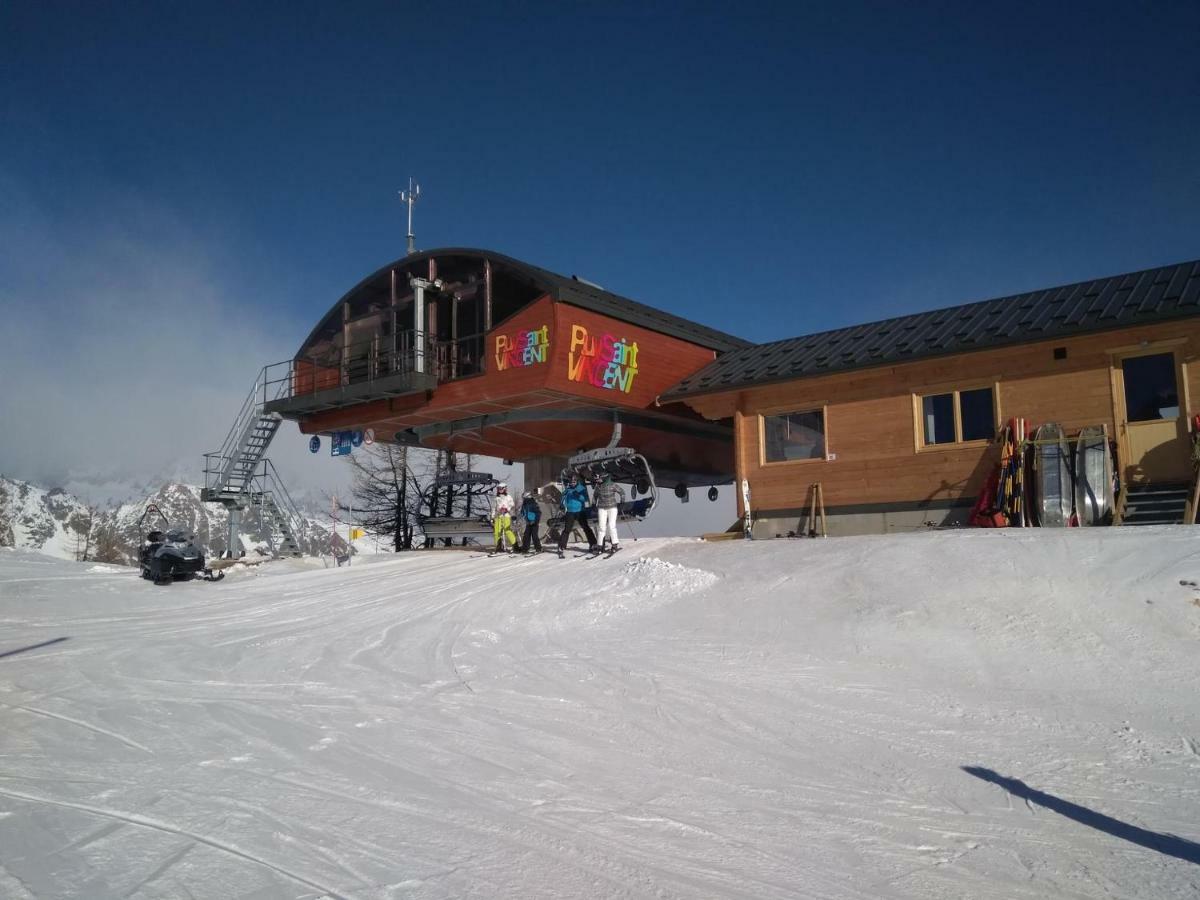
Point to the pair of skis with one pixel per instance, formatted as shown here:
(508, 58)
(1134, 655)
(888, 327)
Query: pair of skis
(594, 554)
(521, 554)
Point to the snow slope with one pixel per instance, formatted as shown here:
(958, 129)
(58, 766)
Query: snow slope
(686, 720)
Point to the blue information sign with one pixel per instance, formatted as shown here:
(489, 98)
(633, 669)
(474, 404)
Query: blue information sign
(356, 438)
(339, 444)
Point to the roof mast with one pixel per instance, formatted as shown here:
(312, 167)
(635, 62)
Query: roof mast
(408, 198)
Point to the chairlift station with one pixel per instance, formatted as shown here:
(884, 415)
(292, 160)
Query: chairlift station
(897, 422)
(475, 352)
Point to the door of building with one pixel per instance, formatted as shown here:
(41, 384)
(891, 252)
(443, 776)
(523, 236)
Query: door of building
(1151, 420)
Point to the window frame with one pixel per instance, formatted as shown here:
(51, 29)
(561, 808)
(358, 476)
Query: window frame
(792, 410)
(956, 391)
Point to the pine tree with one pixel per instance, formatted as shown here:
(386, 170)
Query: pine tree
(84, 525)
(389, 480)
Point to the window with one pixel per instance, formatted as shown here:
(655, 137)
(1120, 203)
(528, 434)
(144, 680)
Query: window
(938, 415)
(957, 417)
(976, 414)
(1150, 390)
(792, 436)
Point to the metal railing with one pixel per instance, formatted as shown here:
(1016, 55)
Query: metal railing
(459, 359)
(358, 364)
(362, 364)
(264, 482)
(247, 417)
(267, 483)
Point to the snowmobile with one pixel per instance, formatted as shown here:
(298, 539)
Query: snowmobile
(169, 553)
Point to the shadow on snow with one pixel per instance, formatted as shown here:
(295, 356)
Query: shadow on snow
(1167, 844)
(57, 640)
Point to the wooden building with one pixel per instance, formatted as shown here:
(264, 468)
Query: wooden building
(475, 352)
(898, 420)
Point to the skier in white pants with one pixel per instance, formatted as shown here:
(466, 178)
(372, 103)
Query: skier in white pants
(607, 497)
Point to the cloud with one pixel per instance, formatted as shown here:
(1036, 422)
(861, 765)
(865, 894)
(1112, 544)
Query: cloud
(127, 347)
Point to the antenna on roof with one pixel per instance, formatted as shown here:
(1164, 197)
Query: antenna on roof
(408, 198)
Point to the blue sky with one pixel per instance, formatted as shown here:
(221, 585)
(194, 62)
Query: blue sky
(831, 163)
(767, 169)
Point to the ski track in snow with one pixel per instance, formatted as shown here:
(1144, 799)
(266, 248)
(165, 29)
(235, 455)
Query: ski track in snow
(742, 720)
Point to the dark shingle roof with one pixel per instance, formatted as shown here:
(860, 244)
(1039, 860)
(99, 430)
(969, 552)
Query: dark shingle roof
(596, 299)
(1122, 301)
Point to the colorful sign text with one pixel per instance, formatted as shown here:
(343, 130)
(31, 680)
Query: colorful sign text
(525, 348)
(603, 361)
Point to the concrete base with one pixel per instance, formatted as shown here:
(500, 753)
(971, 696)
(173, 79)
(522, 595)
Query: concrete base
(884, 521)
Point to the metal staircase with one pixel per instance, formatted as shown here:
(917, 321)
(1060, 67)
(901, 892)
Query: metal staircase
(277, 513)
(239, 476)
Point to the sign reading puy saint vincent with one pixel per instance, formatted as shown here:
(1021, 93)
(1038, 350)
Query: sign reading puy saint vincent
(525, 348)
(603, 361)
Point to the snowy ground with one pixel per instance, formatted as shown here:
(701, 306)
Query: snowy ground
(777, 719)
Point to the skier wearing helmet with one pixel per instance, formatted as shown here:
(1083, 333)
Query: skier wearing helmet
(531, 515)
(502, 508)
(609, 497)
(574, 504)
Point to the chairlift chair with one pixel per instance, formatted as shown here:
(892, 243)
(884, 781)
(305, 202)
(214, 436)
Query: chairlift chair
(626, 466)
(475, 528)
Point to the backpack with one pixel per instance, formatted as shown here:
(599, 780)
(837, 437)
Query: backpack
(530, 510)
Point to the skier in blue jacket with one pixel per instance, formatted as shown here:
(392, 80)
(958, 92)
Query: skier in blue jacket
(574, 504)
(531, 515)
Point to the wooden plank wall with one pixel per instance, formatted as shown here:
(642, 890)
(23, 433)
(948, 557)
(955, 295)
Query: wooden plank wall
(308, 377)
(870, 419)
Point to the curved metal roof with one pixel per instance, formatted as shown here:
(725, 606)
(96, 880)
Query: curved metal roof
(564, 289)
(1120, 301)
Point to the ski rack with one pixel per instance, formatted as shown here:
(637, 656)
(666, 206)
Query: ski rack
(476, 527)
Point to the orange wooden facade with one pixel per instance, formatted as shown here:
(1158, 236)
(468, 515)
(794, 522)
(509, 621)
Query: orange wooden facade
(553, 359)
(874, 451)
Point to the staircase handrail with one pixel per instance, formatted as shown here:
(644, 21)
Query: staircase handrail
(214, 465)
(273, 484)
(249, 407)
(265, 390)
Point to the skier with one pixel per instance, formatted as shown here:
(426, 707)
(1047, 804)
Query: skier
(502, 506)
(609, 496)
(531, 515)
(574, 504)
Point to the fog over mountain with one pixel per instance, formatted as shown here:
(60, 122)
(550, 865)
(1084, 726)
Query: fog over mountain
(129, 343)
